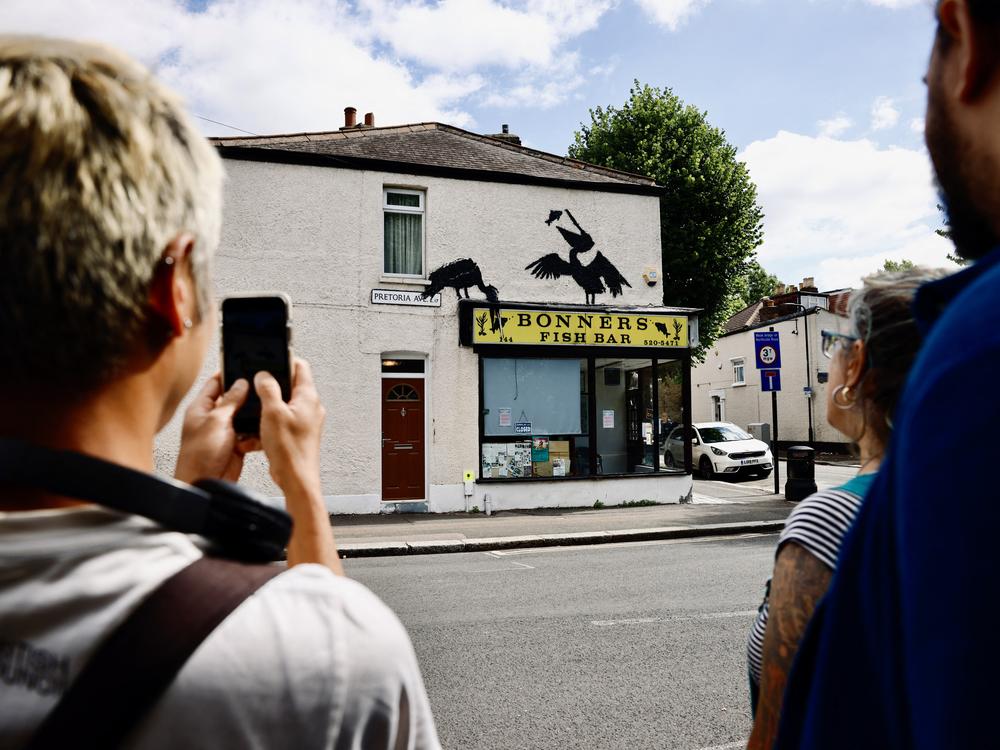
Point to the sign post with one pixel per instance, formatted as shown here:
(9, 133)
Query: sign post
(767, 346)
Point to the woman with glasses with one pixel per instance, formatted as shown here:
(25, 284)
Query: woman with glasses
(868, 368)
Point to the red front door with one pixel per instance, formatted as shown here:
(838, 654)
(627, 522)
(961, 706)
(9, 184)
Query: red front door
(402, 439)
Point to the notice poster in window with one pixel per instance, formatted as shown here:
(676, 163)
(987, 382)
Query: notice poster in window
(505, 420)
(609, 419)
(520, 463)
(559, 467)
(494, 456)
(539, 449)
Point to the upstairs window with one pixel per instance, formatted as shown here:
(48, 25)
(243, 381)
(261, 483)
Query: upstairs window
(403, 212)
(739, 371)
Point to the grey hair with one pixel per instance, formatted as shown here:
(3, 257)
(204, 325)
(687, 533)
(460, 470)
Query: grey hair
(100, 168)
(881, 315)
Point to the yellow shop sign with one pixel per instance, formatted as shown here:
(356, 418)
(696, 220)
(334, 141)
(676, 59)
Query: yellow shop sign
(551, 327)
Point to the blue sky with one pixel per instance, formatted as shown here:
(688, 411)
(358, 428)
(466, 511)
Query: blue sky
(823, 98)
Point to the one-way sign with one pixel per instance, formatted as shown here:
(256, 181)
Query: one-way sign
(768, 350)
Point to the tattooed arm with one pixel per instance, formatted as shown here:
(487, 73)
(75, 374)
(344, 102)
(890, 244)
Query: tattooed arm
(799, 581)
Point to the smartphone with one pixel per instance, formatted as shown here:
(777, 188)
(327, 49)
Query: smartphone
(256, 336)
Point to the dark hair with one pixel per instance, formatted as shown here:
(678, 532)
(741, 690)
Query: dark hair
(881, 315)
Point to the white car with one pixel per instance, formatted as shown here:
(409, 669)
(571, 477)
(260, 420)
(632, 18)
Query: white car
(719, 448)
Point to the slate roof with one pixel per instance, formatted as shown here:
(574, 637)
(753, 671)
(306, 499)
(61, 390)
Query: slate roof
(436, 149)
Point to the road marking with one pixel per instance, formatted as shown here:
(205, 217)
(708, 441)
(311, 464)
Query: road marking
(619, 545)
(673, 618)
(697, 499)
(523, 565)
(730, 746)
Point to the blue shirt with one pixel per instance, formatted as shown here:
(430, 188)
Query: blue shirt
(903, 651)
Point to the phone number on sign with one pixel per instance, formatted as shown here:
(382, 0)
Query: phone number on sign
(647, 342)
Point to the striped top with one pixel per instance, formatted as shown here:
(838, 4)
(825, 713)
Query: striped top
(819, 524)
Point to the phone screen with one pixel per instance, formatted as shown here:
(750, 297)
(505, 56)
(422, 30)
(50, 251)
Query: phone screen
(254, 338)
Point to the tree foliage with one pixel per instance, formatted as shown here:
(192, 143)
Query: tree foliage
(756, 284)
(898, 265)
(710, 221)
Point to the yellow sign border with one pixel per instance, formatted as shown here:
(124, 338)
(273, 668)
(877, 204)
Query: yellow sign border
(540, 327)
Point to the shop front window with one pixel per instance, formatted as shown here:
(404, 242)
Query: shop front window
(534, 418)
(670, 403)
(541, 417)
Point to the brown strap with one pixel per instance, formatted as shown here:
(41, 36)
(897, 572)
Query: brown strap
(137, 662)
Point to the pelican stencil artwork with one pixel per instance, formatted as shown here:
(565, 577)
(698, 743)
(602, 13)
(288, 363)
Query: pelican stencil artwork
(591, 277)
(460, 275)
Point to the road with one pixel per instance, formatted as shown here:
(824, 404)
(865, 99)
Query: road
(616, 646)
(739, 490)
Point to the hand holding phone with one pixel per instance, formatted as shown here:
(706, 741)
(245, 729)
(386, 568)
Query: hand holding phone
(256, 337)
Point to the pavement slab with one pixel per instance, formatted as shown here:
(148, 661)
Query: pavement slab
(415, 534)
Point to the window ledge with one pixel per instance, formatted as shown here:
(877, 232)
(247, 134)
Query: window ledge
(739, 385)
(409, 280)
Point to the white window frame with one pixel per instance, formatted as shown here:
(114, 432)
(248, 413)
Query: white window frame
(422, 211)
(741, 363)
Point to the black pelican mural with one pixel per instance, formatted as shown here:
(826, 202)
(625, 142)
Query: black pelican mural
(591, 277)
(459, 275)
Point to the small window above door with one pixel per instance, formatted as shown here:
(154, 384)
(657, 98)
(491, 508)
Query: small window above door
(402, 366)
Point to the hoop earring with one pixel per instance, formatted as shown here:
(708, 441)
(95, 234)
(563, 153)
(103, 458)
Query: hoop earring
(843, 390)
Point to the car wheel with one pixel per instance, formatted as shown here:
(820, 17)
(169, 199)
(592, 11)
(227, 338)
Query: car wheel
(705, 467)
(668, 460)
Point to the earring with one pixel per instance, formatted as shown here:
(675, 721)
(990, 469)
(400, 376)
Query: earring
(188, 324)
(843, 390)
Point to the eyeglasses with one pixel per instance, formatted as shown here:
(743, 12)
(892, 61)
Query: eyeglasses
(832, 338)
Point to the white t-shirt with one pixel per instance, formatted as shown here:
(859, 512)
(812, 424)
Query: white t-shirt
(312, 660)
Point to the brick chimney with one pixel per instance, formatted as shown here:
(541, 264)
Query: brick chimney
(369, 119)
(808, 285)
(350, 117)
(507, 136)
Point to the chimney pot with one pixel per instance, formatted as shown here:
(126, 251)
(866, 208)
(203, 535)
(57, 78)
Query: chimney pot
(505, 128)
(350, 117)
(369, 119)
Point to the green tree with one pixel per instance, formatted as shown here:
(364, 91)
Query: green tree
(710, 221)
(897, 265)
(756, 284)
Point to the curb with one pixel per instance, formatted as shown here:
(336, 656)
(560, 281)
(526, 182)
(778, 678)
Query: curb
(486, 544)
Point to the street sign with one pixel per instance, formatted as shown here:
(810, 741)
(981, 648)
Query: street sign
(768, 350)
(770, 380)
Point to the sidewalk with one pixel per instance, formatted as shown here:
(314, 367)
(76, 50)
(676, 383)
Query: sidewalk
(425, 533)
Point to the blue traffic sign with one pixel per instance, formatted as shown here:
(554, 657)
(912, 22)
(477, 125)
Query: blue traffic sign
(768, 350)
(770, 380)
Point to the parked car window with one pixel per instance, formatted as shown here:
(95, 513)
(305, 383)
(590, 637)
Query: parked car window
(723, 434)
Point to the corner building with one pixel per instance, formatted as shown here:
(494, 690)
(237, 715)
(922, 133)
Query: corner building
(453, 293)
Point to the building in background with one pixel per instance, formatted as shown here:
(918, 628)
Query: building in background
(727, 385)
(484, 320)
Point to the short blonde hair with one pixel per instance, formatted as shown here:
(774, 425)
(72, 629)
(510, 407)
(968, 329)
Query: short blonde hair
(100, 168)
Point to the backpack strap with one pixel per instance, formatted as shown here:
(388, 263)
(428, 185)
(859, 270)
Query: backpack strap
(136, 663)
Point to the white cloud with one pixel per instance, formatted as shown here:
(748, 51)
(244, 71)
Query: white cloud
(895, 4)
(884, 113)
(837, 209)
(835, 126)
(466, 34)
(671, 13)
(293, 65)
(917, 125)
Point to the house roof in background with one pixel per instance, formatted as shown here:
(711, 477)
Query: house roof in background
(435, 149)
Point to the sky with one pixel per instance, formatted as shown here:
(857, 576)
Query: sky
(823, 99)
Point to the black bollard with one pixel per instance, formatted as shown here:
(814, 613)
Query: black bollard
(801, 473)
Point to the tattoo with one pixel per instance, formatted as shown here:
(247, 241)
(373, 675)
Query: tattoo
(799, 581)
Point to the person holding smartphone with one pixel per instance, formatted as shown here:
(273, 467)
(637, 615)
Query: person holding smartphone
(110, 210)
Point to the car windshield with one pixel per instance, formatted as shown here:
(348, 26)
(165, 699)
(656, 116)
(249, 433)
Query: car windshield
(723, 434)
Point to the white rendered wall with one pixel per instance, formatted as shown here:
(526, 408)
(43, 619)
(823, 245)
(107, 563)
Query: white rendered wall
(746, 404)
(316, 233)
